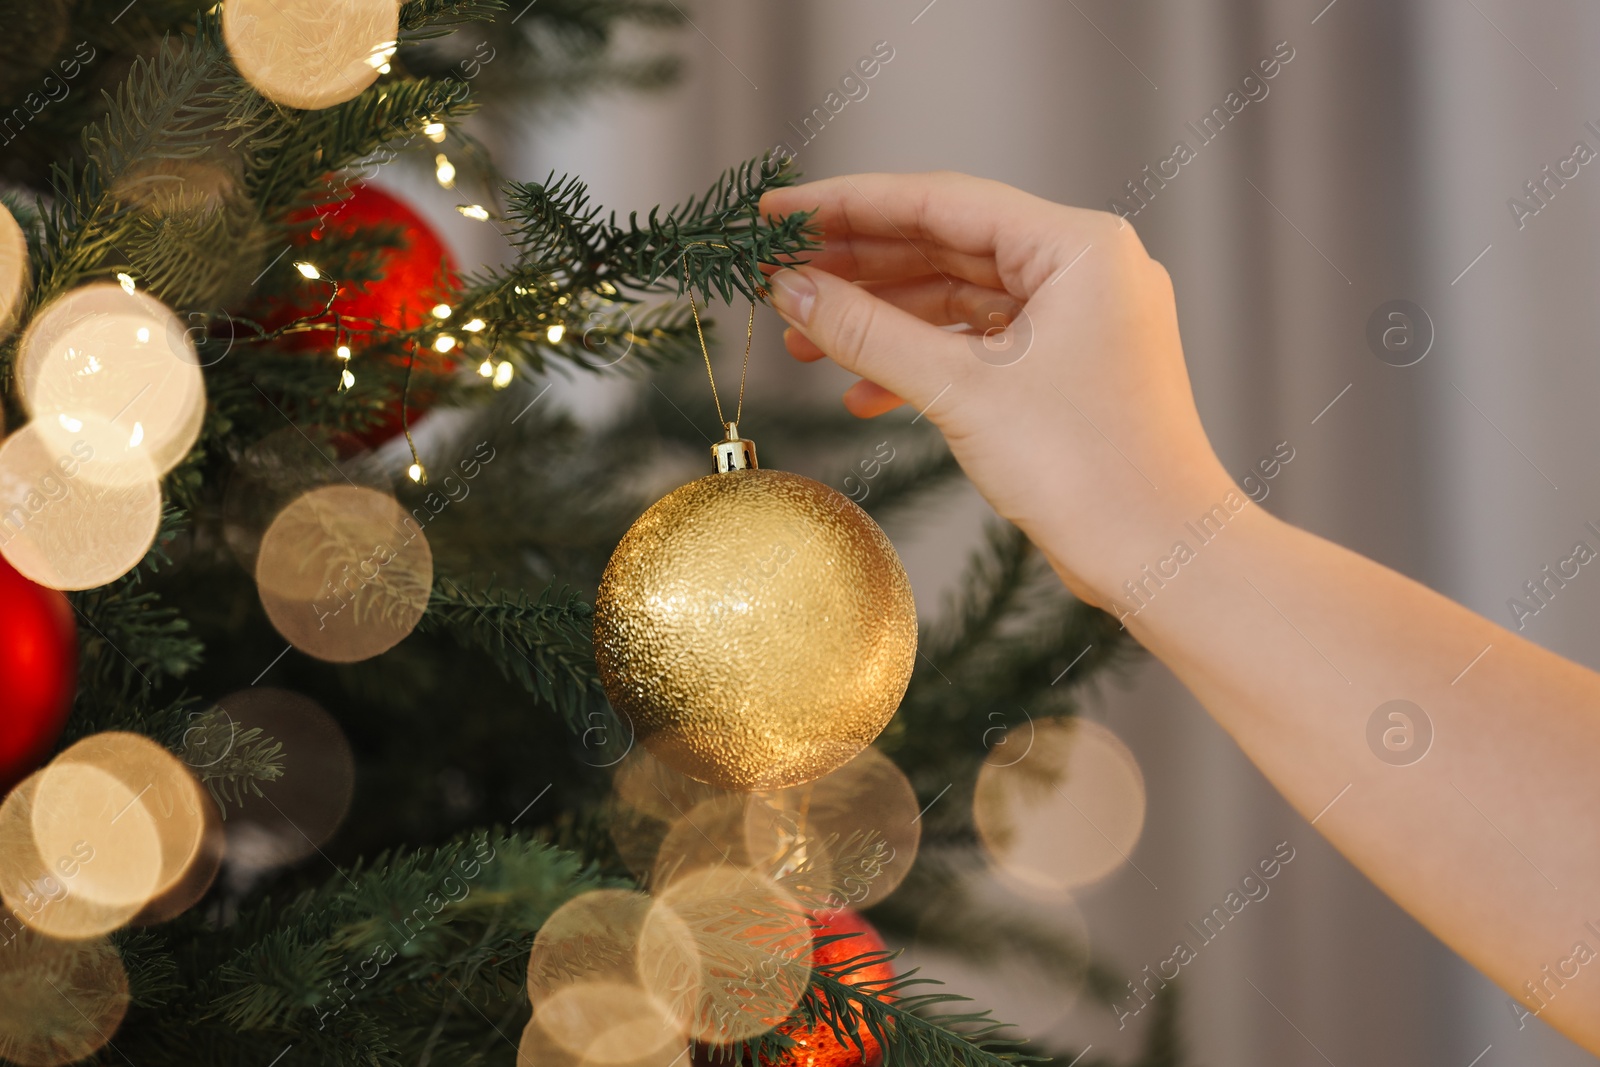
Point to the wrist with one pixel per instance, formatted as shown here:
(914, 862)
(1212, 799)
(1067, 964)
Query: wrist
(1122, 565)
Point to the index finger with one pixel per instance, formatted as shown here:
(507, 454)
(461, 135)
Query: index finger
(1025, 234)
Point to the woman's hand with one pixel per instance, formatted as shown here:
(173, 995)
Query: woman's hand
(1076, 421)
(1065, 400)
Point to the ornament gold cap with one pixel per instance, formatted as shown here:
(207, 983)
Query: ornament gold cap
(734, 454)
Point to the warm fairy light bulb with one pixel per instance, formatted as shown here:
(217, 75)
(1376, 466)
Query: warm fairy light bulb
(486, 368)
(555, 333)
(474, 211)
(519, 290)
(136, 438)
(70, 424)
(415, 473)
(346, 379)
(441, 311)
(434, 131)
(379, 60)
(473, 325)
(343, 352)
(126, 281)
(306, 270)
(444, 170)
(443, 343)
(502, 375)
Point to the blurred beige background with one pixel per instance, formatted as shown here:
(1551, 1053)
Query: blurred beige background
(1378, 167)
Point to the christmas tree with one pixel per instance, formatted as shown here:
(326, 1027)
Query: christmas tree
(376, 813)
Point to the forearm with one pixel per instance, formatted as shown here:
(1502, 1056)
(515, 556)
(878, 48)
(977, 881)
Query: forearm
(1077, 423)
(1292, 643)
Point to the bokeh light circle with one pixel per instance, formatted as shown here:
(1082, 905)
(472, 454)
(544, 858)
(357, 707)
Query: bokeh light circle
(593, 936)
(609, 1023)
(83, 810)
(1067, 814)
(727, 952)
(297, 811)
(855, 829)
(48, 877)
(60, 1001)
(198, 875)
(101, 352)
(270, 474)
(539, 1049)
(344, 573)
(710, 834)
(167, 791)
(648, 798)
(74, 516)
(14, 270)
(310, 54)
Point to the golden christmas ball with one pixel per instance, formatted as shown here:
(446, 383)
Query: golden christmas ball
(756, 627)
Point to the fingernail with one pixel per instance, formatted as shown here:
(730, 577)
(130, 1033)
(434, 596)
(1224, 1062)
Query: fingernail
(793, 295)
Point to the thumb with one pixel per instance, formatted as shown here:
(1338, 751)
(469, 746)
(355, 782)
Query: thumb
(867, 335)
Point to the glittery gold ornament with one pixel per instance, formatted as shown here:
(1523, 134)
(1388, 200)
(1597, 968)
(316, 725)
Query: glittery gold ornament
(755, 626)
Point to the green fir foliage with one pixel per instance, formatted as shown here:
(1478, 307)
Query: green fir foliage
(405, 939)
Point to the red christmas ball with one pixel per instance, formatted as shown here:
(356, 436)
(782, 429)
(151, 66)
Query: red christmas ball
(38, 672)
(816, 1045)
(408, 282)
(411, 278)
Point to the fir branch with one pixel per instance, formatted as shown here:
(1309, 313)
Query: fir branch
(423, 19)
(997, 576)
(170, 108)
(999, 661)
(544, 644)
(153, 977)
(914, 1029)
(571, 291)
(715, 241)
(355, 972)
(717, 238)
(231, 763)
(130, 639)
(596, 334)
(312, 148)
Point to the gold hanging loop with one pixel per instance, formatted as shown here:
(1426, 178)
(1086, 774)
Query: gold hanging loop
(734, 452)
